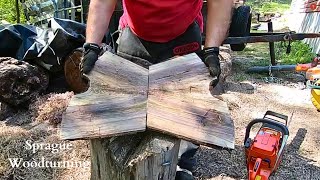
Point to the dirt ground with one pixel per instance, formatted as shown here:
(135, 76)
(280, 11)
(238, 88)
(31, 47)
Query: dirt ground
(251, 99)
(248, 97)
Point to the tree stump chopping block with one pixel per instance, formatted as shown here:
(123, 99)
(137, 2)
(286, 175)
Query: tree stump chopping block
(143, 156)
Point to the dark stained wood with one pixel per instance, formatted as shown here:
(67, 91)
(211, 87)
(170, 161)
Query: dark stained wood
(180, 103)
(114, 104)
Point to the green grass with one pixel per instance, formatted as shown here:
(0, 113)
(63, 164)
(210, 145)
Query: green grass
(300, 53)
(274, 8)
(259, 54)
(253, 55)
(264, 6)
(239, 77)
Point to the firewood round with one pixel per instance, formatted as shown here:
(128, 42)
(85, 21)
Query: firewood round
(74, 77)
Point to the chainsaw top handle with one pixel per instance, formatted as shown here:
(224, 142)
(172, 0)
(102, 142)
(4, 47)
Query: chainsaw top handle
(284, 128)
(270, 114)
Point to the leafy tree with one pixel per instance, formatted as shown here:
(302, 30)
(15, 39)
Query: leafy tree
(8, 11)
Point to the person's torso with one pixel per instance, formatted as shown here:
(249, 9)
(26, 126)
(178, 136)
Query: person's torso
(160, 20)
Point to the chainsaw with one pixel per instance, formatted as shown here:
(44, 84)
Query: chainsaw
(264, 152)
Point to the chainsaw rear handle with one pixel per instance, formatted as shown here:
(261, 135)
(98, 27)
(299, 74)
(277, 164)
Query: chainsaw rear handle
(283, 127)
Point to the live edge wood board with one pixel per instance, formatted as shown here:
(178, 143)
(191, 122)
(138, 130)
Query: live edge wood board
(180, 103)
(115, 103)
(173, 98)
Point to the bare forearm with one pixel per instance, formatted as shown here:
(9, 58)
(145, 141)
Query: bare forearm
(100, 12)
(218, 21)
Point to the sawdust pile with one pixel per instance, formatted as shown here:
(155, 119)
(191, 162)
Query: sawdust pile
(51, 107)
(13, 145)
(40, 124)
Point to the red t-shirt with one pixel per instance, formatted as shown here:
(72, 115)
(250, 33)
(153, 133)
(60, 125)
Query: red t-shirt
(160, 20)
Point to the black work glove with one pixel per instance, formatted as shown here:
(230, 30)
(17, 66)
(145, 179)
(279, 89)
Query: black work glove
(91, 52)
(210, 56)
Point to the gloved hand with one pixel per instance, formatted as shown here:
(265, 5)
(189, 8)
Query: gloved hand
(91, 52)
(210, 56)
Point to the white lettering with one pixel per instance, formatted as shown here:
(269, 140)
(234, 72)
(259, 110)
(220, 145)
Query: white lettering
(17, 162)
(28, 143)
(33, 164)
(14, 162)
(26, 164)
(41, 164)
(55, 148)
(35, 147)
(69, 146)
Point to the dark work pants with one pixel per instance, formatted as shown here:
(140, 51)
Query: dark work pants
(146, 53)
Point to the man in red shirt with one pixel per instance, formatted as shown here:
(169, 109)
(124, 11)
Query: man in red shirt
(153, 31)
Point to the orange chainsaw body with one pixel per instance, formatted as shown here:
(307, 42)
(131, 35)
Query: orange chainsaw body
(262, 154)
(264, 151)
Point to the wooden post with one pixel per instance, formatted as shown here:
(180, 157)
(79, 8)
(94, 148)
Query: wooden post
(143, 156)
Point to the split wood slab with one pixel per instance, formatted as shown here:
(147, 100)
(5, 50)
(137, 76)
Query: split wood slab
(173, 98)
(115, 103)
(180, 103)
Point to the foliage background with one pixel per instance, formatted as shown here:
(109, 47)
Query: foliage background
(269, 6)
(8, 11)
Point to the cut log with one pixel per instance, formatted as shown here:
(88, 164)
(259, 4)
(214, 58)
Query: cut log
(20, 82)
(180, 103)
(144, 156)
(72, 72)
(114, 104)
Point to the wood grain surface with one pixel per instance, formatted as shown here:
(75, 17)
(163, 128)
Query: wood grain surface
(115, 103)
(180, 103)
(173, 97)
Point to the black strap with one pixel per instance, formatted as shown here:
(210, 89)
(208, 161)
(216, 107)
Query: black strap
(92, 46)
